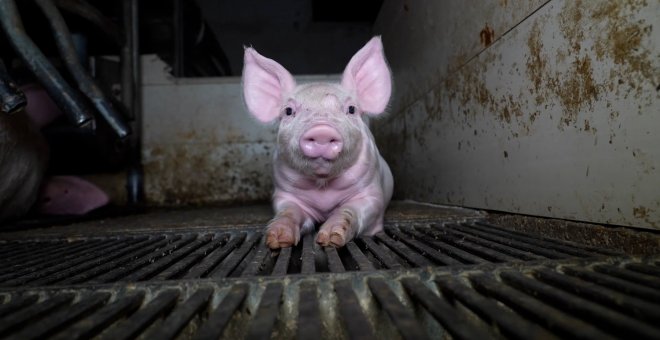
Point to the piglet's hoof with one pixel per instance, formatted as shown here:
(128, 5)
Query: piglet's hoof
(281, 233)
(335, 236)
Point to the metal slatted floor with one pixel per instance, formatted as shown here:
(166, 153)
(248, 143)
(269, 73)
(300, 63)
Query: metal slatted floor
(425, 276)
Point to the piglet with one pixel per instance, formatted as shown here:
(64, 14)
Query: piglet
(327, 168)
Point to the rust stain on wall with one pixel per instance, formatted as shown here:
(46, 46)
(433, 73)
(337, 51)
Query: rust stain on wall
(618, 38)
(644, 213)
(576, 87)
(207, 173)
(487, 36)
(576, 90)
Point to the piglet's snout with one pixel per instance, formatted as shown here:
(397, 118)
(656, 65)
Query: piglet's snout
(321, 141)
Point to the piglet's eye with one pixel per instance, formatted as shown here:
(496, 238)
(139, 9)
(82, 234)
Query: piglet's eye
(288, 111)
(351, 109)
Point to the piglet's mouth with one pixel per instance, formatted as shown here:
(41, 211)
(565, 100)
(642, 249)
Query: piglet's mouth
(321, 167)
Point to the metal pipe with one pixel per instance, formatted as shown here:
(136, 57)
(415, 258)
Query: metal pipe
(12, 99)
(65, 96)
(127, 88)
(89, 12)
(131, 95)
(178, 69)
(86, 84)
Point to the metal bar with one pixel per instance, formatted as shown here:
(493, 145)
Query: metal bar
(628, 305)
(643, 268)
(435, 255)
(64, 96)
(415, 259)
(15, 320)
(382, 255)
(57, 321)
(261, 325)
(455, 321)
(134, 265)
(35, 256)
(308, 265)
(218, 319)
(357, 325)
(615, 283)
(448, 249)
(504, 245)
(81, 268)
(53, 259)
(234, 259)
(88, 12)
(132, 98)
(402, 317)
(183, 265)
(282, 263)
(16, 303)
(465, 244)
(8, 249)
(509, 323)
(359, 257)
(179, 46)
(309, 318)
(12, 99)
(256, 263)
(334, 262)
(127, 63)
(68, 265)
(560, 246)
(29, 251)
(130, 328)
(181, 315)
(168, 259)
(629, 275)
(211, 261)
(85, 82)
(614, 322)
(103, 317)
(538, 311)
(115, 263)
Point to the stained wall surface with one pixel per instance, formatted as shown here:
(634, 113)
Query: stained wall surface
(547, 108)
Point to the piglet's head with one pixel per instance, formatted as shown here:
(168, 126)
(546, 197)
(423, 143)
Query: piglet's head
(321, 127)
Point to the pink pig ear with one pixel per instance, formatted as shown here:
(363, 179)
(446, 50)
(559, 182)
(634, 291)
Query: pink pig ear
(368, 75)
(265, 84)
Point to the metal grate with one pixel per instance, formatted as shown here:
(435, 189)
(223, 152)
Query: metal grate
(588, 298)
(242, 253)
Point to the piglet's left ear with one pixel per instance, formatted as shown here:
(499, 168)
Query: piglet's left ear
(368, 76)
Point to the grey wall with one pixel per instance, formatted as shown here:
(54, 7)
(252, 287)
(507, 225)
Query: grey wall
(548, 108)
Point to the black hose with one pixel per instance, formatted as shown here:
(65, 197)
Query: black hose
(85, 82)
(71, 103)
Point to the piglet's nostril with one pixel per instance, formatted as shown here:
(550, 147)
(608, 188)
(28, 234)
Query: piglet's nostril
(321, 141)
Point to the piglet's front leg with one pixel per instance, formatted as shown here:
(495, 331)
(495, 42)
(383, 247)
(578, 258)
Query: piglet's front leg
(348, 221)
(284, 229)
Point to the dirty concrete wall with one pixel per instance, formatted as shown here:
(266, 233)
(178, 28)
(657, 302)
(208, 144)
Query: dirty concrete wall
(547, 108)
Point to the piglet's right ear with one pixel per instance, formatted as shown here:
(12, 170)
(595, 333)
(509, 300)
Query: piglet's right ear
(265, 85)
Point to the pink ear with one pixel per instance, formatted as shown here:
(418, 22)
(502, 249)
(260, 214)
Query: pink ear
(265, 84)
(369, 77)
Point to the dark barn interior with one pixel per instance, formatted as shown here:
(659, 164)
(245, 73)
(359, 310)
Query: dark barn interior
(522, 136)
